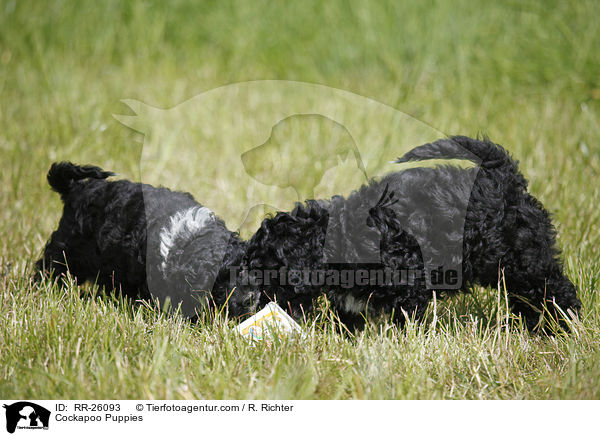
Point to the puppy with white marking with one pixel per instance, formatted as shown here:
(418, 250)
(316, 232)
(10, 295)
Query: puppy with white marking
(137, 239)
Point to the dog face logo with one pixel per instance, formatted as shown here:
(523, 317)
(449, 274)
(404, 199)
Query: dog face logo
(280, 162)
(26, 415)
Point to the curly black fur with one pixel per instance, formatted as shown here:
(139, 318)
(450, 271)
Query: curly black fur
(109, 233)
(505, 229)
(109, 229)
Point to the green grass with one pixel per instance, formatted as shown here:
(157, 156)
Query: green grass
(524, 73)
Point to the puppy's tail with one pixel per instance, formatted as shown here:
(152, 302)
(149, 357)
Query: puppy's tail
(483, 152)
(62, 175)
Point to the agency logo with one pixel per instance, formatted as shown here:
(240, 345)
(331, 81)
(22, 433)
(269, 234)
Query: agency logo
(247, 150)
(26, 415)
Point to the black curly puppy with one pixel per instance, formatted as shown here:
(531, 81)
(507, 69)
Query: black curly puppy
(152, 241)
(468, 224)
(137, 239)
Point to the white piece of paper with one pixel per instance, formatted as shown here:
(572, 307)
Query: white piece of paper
(271, 319)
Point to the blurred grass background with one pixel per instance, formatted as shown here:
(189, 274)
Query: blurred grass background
(524, 73)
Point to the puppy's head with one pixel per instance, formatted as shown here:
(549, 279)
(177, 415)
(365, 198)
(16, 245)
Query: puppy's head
(185, 258)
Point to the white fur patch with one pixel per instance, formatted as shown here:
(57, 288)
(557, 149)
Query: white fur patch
(186, 222)
(353, 305)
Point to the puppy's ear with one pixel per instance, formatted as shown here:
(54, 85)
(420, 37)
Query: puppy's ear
(62, 175)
